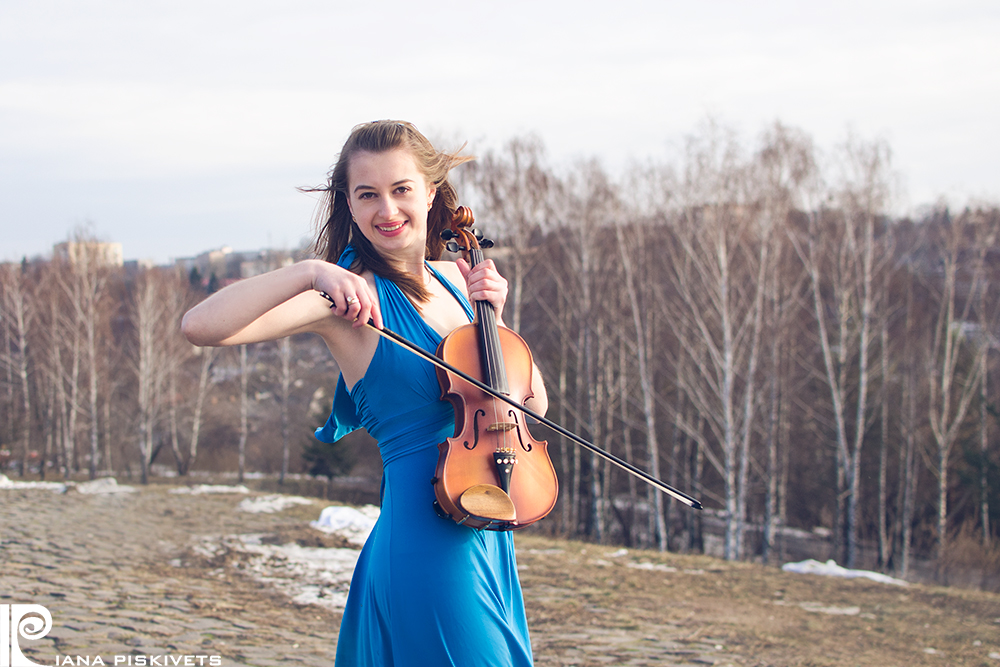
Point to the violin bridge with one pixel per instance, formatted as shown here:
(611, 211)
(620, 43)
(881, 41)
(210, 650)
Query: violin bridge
(501, 426)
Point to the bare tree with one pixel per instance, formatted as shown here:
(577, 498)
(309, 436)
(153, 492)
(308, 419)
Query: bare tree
(785, 177)
(285, 355)
(838, 252)
(177, 352)
(908, 475)
(717, 259)
(152, 322)
(18, 314)
(641, 347)
(85, 284)
(954, 367)
(207, 358)
(514, 186)
(984, 444)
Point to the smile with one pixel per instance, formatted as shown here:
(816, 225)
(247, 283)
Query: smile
(390, 228)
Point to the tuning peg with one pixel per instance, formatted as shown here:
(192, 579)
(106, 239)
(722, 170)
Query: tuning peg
(478, 233)
(448, 234)
(452, 246)
(485, 243)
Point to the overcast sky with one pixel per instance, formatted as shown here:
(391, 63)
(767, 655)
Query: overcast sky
(177, 126)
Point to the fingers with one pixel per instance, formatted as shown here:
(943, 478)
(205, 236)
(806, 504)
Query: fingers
(485, 283)
(351, 298)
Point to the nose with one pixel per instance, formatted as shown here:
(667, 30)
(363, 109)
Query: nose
(388, 208)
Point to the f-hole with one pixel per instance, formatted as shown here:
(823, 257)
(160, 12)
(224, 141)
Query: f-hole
(513, 415)
(475, 429)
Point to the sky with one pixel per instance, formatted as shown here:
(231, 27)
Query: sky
(178, 126)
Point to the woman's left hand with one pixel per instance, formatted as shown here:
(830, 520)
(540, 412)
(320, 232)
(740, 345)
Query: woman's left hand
(485, 284)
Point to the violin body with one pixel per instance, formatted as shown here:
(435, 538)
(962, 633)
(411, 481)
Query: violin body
(492, 474)
(492, 446)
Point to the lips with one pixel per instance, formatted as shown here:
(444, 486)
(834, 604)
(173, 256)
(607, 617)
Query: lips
(390, 229)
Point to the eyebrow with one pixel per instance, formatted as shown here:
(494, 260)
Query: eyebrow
(362, 186)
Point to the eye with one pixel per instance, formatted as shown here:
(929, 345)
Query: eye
(366, 195)
(403, 189)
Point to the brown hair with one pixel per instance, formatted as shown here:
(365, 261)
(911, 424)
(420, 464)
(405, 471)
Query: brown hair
(338, 230)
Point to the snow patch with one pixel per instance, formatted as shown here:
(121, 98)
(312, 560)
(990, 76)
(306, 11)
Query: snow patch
(831, 569)
(355, 524)
(103, 486)
(818, 608)
(8, 484)
(308, 575)
(655, 567)
(271, 504)
(210, 488)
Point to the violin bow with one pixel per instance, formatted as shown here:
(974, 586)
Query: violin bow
(691, 502)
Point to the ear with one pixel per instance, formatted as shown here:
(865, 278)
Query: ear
(431, 193)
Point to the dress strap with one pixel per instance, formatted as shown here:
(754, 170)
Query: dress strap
(454, 291)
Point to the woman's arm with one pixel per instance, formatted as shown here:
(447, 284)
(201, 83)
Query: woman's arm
(278, 304)
(539, 403)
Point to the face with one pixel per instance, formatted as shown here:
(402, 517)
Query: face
(389, 198)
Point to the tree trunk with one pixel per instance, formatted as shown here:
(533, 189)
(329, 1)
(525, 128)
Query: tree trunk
(285, 354)
(244, 411)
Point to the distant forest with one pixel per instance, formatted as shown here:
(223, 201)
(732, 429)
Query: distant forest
(750, 323)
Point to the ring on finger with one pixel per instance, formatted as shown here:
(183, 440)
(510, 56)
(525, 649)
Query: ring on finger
(351, 300)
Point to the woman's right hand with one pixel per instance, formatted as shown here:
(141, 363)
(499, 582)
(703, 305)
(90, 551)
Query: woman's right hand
(349, 294)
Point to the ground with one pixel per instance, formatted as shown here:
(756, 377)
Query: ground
(154, 573)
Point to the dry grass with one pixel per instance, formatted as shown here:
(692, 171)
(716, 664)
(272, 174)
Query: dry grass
(717, 612)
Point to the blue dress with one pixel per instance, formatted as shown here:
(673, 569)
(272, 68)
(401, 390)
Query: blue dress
(426, 592)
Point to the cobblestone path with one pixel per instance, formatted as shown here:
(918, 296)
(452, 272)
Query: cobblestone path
(101, 565)
(120, 576)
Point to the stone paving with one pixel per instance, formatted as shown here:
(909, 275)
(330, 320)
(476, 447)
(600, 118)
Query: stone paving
(101, 565)
(120, 576)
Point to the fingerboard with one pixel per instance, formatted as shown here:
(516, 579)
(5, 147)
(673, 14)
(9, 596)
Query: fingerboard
(489, 339)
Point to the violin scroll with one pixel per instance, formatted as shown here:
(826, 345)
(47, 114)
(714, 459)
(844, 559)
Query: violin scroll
(461, 228)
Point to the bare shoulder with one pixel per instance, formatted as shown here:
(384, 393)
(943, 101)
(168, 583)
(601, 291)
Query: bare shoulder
(450, 271)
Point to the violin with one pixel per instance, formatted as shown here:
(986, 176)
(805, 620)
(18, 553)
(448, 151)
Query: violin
(492, 474)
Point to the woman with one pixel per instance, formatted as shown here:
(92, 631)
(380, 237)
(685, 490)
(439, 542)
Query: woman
(426, 591)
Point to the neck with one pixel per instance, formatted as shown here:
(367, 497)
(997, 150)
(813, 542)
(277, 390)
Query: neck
(415, 268)
(411, 262)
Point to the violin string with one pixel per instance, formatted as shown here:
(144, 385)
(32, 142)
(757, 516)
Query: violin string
(490, 350)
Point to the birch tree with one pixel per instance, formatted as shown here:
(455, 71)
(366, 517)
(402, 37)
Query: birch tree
(86, 286)
(838, 253)
(954, 363)
(514, 187)
(151, 321)
(716, 237)
(640, 314)
(285, 355)
(18, 313)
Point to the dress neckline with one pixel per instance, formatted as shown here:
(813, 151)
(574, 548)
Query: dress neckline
(452, 289)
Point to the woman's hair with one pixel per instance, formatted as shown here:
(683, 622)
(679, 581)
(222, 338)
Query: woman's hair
(337, 229)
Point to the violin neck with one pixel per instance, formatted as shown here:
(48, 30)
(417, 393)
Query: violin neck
(490, 349)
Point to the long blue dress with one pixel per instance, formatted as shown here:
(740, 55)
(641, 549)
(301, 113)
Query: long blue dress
(426, 592)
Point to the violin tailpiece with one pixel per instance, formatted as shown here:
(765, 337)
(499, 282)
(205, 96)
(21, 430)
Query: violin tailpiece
(504, 461)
